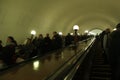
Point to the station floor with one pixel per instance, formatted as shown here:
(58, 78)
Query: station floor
(41, 68)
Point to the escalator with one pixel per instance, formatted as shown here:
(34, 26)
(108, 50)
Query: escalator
(94, 66)
(100, 70)
(84, 63)
(90, 65)
(53, 66)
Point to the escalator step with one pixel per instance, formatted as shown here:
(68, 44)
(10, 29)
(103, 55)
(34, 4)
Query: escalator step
(105, 66)
(102, 69)
(100, 78)
(100, 74)
(99, 60)
(101, 63)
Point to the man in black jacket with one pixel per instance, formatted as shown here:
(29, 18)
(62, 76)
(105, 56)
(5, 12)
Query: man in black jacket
(114, 52)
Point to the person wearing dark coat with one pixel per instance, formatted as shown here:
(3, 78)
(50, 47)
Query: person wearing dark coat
(114, 52)
(9, 51)
(57, 41)
(47, 43)
(68, 39)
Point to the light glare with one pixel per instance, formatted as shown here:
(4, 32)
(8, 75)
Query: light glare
(86, 31)
(71, 33)
(114, 29)
(75, 27)
(36, 65)
(91, 33)
(60, 33)
(33, 32)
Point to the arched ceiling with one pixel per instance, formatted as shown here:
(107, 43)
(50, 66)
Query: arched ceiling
(18, 17)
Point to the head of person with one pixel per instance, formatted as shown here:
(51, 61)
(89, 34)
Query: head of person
(107, 30)
(40, 36)
(54, 33)
(118, 26)
(10, 39)
(68, 34)
(0, 42)
(47, 35)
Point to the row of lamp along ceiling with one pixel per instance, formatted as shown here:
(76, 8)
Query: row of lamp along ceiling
(75, 27)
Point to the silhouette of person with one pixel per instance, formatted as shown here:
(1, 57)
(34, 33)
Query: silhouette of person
(114, 52)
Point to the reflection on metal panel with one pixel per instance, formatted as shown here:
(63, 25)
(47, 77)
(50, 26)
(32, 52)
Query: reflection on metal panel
(36, 65)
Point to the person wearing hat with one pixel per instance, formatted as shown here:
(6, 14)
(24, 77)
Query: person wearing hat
(114, 52)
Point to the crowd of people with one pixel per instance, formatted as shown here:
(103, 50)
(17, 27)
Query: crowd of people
(38, 46)
(111, 50)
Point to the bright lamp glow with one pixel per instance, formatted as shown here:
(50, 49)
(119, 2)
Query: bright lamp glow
(33, 32)
(86, 31)
(36, 65)
(71, 33)
(114, 29)
(60, 33)
(91, 33)
(75, 27)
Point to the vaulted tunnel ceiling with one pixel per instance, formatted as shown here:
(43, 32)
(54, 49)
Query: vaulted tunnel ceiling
(19, 17)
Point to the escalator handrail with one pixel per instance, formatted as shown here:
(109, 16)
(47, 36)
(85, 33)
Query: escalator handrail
(72, 60)
(74, 69)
